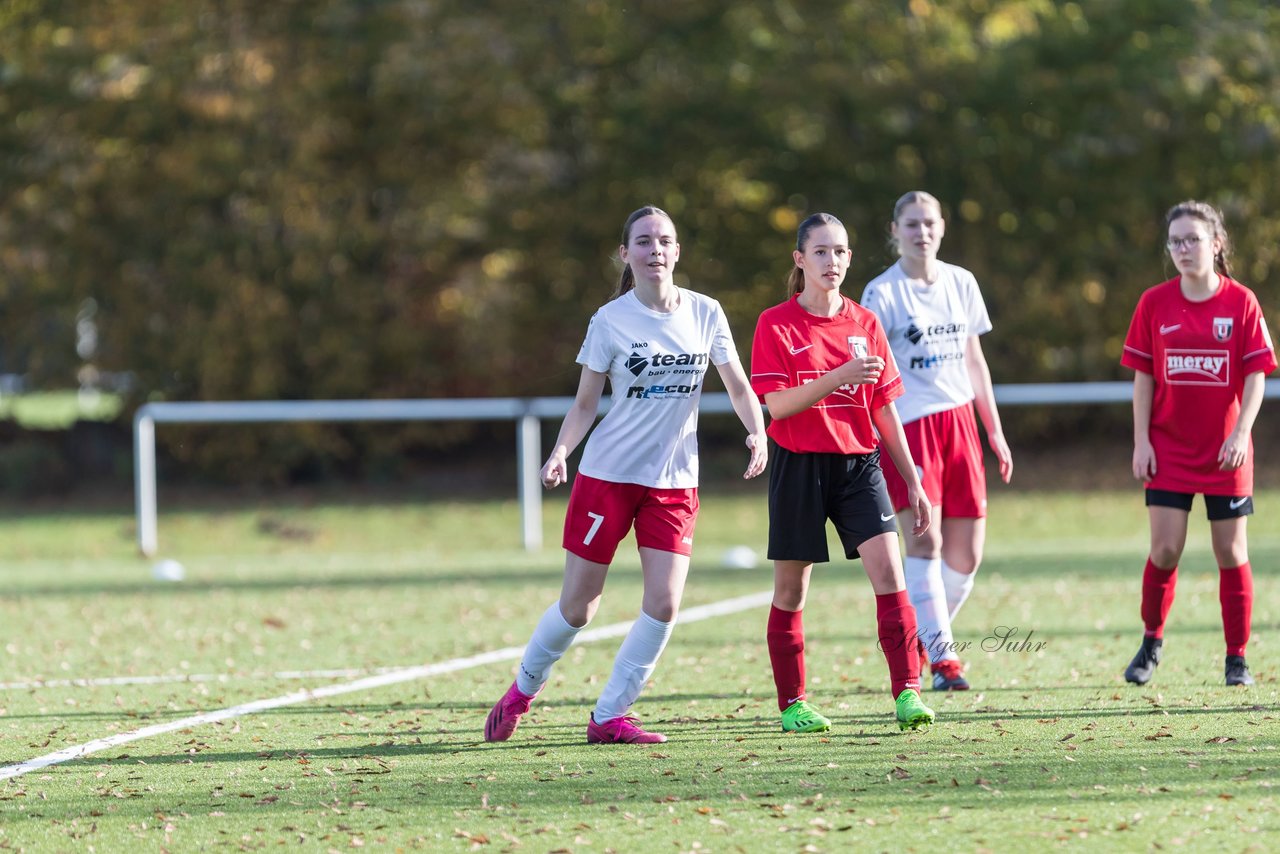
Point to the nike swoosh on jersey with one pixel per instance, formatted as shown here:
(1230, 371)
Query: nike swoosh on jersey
(884, 518)
(797, 350)
(1237, 503)
(1165, 330)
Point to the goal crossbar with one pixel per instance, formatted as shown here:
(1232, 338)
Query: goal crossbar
(527, 413)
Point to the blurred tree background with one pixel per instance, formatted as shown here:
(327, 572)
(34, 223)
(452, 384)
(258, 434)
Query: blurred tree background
(423, 198)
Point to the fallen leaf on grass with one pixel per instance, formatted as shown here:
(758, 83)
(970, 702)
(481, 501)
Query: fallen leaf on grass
(1219, 739)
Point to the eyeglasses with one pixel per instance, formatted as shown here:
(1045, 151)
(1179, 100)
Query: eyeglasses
(1176, 243)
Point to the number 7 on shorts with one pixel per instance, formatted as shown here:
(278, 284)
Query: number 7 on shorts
(597, 519)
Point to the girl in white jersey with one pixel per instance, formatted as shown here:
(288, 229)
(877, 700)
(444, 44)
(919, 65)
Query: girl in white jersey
(653, 342)
(933, 313)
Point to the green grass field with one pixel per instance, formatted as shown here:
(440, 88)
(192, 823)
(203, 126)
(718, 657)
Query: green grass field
(1051, 749)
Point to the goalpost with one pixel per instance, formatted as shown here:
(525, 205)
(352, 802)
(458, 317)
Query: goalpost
(527, 413)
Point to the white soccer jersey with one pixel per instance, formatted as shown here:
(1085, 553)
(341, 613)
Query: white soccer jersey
(928, 327)
(656, 365)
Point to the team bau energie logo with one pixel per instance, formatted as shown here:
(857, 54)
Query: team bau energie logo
(1197, 367)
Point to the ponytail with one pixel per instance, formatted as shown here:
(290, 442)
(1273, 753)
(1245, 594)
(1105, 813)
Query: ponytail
(626, 281)
(795, 282)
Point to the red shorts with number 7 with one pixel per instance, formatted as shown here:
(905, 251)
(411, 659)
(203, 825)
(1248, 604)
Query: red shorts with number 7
(948, 455)
(601, 513)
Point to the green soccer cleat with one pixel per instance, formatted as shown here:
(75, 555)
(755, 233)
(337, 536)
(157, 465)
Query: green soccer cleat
(802, 717)
(912, 713)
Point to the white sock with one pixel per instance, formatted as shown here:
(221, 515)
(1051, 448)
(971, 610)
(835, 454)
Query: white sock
(551, 638)
(958, 586)
(637, 657)
(929, 597)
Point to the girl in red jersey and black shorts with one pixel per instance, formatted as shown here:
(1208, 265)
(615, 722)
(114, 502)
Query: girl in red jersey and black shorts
(654, 343)
(822, 366)
(933, 315)
(1201, 350)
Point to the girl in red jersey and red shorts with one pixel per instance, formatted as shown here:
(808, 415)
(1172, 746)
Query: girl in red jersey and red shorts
(933, 315)
(822, 366)
(1201, 350)
(654, 343)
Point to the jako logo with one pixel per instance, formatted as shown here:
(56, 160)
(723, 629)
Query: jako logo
(1197, 367)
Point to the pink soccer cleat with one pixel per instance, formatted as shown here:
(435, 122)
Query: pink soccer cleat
(504, 717)
(623, 730)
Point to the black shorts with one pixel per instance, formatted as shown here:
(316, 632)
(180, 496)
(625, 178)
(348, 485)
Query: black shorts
(1217, 507)
(805, 490)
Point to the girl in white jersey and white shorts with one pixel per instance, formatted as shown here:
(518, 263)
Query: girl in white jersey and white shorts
(653, 342)
(933, 314)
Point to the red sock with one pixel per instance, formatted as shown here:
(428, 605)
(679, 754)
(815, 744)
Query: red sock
(896, 621)
(785, 636)
(1157, 597)
(1235, 594)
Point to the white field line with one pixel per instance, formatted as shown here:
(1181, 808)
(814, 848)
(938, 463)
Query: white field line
(346, 673)
(368, 683)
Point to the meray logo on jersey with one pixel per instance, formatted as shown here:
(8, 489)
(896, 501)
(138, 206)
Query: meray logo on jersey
(693, 364)
(1197, 367)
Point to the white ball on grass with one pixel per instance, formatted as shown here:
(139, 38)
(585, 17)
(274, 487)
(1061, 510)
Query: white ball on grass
(739, 557)
(168, 570)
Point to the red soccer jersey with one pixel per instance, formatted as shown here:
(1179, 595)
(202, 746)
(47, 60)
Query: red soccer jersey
(1199, 354)
(793, 347)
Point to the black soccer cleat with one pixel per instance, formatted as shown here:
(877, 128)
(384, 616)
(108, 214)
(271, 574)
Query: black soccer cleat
(1238, 671)
(1144, 664)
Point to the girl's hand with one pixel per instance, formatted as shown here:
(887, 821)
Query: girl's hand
(919, 503)
(759, 447)
(1234, 452)
(1144, 461)
(556, 470)
(1005, 457)
(860, 370)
